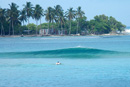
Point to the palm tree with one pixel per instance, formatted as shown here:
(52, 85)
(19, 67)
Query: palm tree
(23, 16)
(8, 12)
(2, 19)
(28, 8)
(37, 14)
(62, 20)
(79, 14)
(70, 15)
(59, 16)
(13, 14)
(42, 14)
(58, 10)
(53, 16)
(48, 14)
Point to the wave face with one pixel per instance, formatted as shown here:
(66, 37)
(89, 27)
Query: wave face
(65, 53)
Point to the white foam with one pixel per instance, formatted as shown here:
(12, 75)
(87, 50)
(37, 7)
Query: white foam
(79, 46)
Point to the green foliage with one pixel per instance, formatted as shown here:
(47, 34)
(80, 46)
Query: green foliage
(43, 26)
(32, 27)
(103, 24)
(73, 21)
(13, 16)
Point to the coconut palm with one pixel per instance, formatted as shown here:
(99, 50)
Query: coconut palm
(29, 9)
(42, 14)
(8, 12)
(58, 11)
(59, 16)
(2, 19)
(62, 20)
(23, 16)
(53, 16)
(48, 15)
(37, 14)
(13, 14)
(79, 14)
(70, 15)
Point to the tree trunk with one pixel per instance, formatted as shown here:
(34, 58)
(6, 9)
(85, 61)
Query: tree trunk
(58, 24)
(40, 24)
(52, 25)
(9, 28)
(61, 29)
(48, 27)
(19, 32)
(77, 26)
(28, 23)
(64, 29)
(12, 27)
(36, 27)
(1, 29)
(70, 28)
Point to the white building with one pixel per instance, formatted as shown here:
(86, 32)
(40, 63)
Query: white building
(44, 31)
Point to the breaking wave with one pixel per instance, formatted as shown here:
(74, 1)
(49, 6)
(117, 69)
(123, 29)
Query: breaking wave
(77, 52)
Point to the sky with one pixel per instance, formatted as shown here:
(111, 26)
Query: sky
(119, 9)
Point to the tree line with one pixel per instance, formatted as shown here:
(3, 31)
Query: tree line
(12, 20)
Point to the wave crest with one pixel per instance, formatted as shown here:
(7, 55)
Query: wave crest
(77, 52)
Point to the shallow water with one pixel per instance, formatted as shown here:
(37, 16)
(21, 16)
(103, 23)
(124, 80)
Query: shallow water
(109, 69)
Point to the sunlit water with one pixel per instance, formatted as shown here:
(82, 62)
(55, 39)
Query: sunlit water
(108, 63)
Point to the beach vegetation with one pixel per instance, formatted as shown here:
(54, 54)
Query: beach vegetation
(73, 21)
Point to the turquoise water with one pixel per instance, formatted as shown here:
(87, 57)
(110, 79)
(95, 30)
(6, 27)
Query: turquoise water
(87, 61)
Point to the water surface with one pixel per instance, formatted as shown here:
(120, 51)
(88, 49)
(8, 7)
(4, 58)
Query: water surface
(87, 61)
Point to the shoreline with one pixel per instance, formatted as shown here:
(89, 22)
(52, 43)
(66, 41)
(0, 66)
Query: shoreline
(62, 35)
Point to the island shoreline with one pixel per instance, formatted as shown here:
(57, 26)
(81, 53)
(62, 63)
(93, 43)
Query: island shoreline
(62, 35)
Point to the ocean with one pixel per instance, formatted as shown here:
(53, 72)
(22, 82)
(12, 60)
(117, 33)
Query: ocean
(86, 61)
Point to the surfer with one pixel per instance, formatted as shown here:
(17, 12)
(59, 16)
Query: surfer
(58, 63)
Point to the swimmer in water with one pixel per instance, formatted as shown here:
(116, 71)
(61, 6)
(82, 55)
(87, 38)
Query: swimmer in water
(58, 63)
